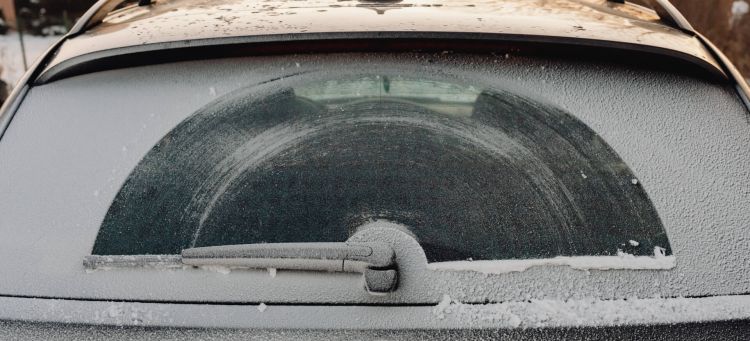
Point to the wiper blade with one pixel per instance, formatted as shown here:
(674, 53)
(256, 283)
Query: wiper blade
(377, 261)
(96, 262)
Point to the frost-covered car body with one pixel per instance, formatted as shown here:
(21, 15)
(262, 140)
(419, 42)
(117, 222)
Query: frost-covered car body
(541, 169)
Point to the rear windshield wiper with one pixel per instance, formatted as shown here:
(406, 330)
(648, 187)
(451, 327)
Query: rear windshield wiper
(373, 259)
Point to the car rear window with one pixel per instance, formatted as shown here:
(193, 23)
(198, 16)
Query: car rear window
(475, 173)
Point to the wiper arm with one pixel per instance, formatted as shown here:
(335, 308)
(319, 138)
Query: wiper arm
(375, 260)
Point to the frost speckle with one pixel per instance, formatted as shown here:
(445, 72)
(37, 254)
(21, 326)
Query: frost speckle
(262, 307)
(493, 313)
(272, 272)
(622, 261)
(586, 311)
(442, 308)
(633, 243)
(217, 268)
(115, 311)
(634, 181)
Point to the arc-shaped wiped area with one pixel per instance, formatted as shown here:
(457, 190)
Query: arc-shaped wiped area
(497, 177)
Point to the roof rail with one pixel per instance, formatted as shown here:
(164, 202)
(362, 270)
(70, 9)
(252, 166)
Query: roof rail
(98, 12)
(667, 13)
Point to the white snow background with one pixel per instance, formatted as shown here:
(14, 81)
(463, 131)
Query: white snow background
(11, 58)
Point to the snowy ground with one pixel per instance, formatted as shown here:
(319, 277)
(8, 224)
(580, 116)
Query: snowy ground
(10, 54)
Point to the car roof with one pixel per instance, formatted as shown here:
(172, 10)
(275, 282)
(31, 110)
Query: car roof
(165, 24)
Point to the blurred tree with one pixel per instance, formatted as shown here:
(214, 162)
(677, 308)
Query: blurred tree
(725, 24)
(55, 7)
(51, 16)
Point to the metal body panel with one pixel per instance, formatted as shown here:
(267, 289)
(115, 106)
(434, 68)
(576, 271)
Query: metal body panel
(76, 141)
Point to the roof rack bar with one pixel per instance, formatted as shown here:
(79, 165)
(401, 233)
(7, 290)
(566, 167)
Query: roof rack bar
(667, 13)
(98, 12)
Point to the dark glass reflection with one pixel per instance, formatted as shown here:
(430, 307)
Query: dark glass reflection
(474, 173)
